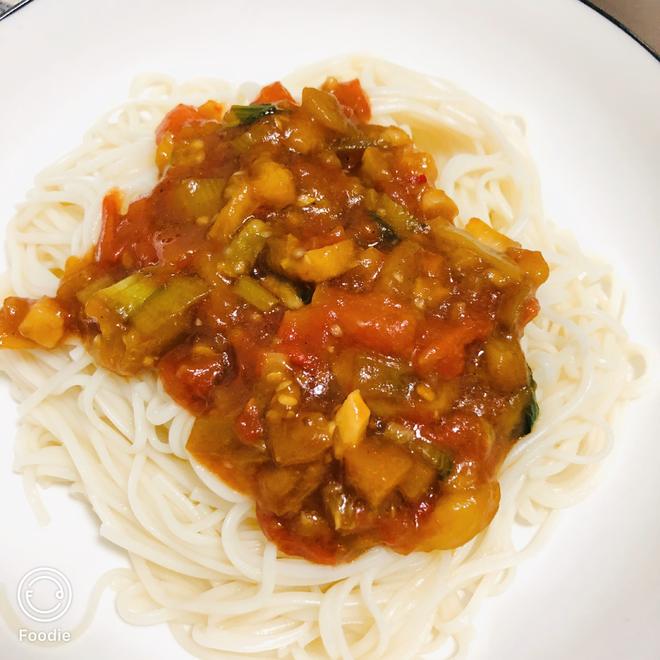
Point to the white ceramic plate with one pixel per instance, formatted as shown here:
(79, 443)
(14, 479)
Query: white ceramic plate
(591, 98)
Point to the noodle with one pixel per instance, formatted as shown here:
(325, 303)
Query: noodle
(200, 562)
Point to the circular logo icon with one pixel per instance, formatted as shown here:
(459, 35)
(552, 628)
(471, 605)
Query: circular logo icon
(44, 594)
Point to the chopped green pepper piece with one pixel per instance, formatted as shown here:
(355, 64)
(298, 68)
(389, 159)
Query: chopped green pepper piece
(252, 292)
(531, 411)
(284, 290)
(84, 294)
(248, 114)
(387, 235)
(124, 297)
(395, 216)
(244, 248)
(169, 303)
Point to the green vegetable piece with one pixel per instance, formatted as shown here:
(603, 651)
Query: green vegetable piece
(196, 197)
(441, 459)
(284, 290)
(168, 304)
(393, 215)
(252, 292)
(248, 114)
(387, 235)
(244, 248)
(531, 412)
(84, 294)
(126, 296)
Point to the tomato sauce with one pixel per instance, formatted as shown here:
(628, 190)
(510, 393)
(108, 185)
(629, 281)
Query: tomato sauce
(298, 283)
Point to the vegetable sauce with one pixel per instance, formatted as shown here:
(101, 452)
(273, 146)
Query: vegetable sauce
(297, 281)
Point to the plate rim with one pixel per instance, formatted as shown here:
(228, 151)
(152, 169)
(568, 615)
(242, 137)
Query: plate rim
(588, 3)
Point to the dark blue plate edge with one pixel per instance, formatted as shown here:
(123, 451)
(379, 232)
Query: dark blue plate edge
(15, 8)
(621, 26)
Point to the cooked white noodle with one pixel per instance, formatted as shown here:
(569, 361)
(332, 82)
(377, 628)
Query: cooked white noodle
(200, 562)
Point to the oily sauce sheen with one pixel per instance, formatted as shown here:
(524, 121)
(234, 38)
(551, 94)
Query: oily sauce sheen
(298, 283)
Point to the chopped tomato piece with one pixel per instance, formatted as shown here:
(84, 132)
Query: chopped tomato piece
(460, 431)
(107, 251)
(273, 93)
(353, 99)
(373, 321)
(370, 320)
(211, 110)
(190, 374)
(249, 357)
(308, 327)
(249, 425)
(176, 119)
(176, 247)
(530, 309)
(441, 346)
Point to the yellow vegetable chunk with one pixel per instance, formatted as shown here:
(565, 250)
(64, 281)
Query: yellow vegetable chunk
(317, 265)
(299, 440)
(164, 151)
(44, 323)
(240, 204)
(284, 291)
(506, 364)
(436, 203)
(446, 234)
(489, 236)
(459, 516)
(417, 481)
(376, 468)
(532, 264)
(324, 108)
(273, 184)
(352, 419)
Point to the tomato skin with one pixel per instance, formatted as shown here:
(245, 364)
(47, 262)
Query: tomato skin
(249, 426)
(376, 323)
(190, 379)
(308, 327)
(249, 357)
(353, 99)
(441, 346)
(529, 312)
(126, 239)
(460, 431)
(369, 320)
(176, 119)
(106, 249)
(178, 248)
(211, 110)
(274, 93)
